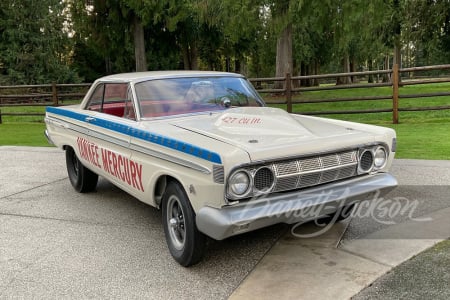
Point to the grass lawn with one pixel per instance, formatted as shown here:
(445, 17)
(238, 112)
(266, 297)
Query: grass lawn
(23, 134)
(423, 140)
(420, 135)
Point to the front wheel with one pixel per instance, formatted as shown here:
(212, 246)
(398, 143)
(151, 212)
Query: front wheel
(186, 244)
(82, 179)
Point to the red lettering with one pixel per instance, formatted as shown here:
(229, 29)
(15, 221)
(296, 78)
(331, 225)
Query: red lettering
(79, 144)
(117, 165)
(127, 171)
(105, 162)
(88, 151)
(85, 150)
(116, 172)
(133, 174)
(241, 121)
(256, 121)
(229, 120)
(97, 162)
(139, 174)
(120, 165)
(110, 166)
(244, 121)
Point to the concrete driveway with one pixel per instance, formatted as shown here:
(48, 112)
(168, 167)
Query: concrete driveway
(56, 243)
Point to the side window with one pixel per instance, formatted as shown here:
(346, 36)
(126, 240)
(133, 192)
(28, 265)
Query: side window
(130, 111)
(96, 101)
(111, 99)
(115, 92)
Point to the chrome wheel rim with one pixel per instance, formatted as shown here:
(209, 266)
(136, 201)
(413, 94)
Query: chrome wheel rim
(175, 222)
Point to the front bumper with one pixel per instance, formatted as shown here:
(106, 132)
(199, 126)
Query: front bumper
(47, 136)
(293, 207)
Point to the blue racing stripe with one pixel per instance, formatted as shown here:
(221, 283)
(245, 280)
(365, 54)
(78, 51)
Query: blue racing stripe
(142, 134)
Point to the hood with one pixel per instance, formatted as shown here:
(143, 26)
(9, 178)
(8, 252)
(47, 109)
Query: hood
(265, 132)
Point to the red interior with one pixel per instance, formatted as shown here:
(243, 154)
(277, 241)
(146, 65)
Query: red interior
(116, 109)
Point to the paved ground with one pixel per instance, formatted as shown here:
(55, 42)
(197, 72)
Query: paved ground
(426, 276)
(56, 243)
(351, 256)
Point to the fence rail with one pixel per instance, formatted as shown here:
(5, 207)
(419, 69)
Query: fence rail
(33, 95)
(55, 94)
(395, 74)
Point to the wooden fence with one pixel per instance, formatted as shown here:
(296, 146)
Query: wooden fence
(288, 89)
(55, 94)
(39, 95)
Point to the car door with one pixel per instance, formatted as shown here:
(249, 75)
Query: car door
(109, 133)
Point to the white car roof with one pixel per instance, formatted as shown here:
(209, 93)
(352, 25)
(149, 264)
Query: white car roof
(143, 76)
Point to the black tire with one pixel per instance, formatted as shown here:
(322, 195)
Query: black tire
(341, 214)
(82, 179)
(186, 244)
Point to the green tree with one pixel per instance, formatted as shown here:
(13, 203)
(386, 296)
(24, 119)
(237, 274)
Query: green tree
(34, 44)
(103, 42)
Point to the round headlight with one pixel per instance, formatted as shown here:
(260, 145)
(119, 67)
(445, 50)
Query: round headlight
(380, 157)
(239, 183)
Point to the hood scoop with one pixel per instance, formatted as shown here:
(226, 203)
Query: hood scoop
(248, 125)
(257, 129)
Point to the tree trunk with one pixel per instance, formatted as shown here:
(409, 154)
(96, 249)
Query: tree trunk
(397, 36)
(345, 69)
(284, 54)
(237, 65)
(370, 65)
(386, 77)
(303, 82)
(353, 68)
(310, 72)
(316, 72)
(108, 65)
(194, 57)
(139, 45)
(227, 63)
(186, 57)
(190, 57)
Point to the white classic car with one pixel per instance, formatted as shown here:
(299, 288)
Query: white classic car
(204, 148)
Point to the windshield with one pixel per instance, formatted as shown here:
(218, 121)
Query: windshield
(174, 96)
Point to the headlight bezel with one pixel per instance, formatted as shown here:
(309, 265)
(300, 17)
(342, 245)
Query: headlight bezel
(252, 190)
(380, 149)
(231, 192)
(373, 151)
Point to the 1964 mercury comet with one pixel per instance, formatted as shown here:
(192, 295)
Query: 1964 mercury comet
(204, 148)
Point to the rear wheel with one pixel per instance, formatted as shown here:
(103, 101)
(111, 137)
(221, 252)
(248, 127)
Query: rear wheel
(82, 179)
(186, 244)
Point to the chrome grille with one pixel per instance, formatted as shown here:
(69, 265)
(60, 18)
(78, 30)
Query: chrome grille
(263, 179)
(218, 174)
(286, 168)
(310, 171)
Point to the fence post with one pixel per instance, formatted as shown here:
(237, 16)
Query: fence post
(0, 116)
(288, 92)
(54, 94)
(395, 93)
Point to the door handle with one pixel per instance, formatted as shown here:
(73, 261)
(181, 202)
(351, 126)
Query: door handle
(89, 119)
